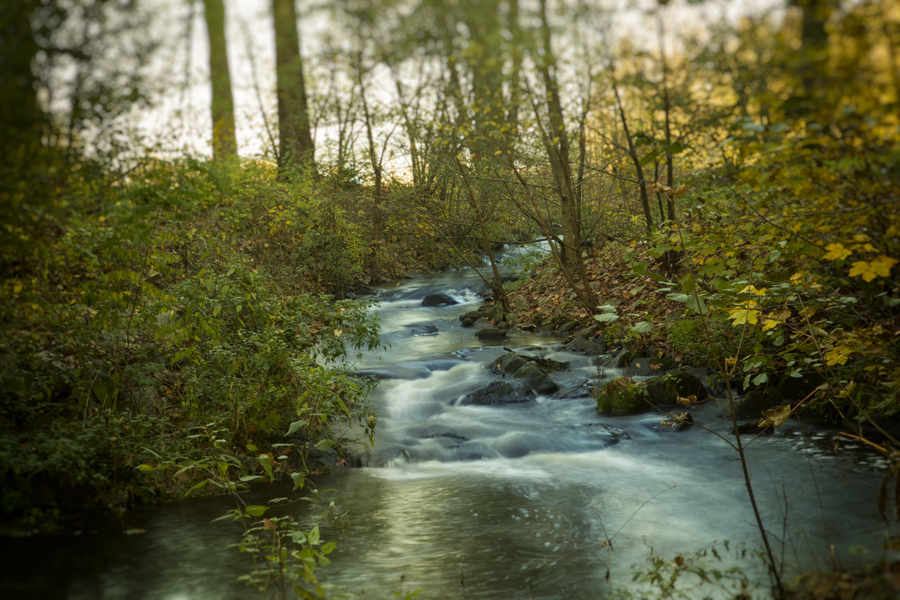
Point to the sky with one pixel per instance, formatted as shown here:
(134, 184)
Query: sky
(181, 121)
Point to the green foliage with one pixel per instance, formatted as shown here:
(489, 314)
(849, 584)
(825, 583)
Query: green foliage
(690, 574)
(802, 266)
(157, 308)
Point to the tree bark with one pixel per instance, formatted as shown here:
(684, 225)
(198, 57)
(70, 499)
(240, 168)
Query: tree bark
(224, 142)
(377, 221)
(557, 143)
(295, 145)
(632, 152)
(667, 106)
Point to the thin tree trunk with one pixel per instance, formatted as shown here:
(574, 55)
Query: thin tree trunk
(497, 286)
(667, 107)
(224, 142)
(296, 148)
(373, 155)
(515, 83)
(642, 183)
(557, 143)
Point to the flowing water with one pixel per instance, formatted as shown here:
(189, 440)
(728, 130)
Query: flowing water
(508, 501)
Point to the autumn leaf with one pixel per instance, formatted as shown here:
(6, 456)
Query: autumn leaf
(880, 267)
(775, 417)
(741, 316)
(770, 324)
(838, 355)
(836, 252)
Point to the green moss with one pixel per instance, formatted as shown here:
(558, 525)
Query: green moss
(622, 396)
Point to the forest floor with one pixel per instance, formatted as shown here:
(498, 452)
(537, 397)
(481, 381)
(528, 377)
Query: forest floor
(637, 298)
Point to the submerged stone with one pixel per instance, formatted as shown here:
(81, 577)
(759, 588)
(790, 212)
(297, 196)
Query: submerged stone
(499, 392)
(440, 299)
(490, 333)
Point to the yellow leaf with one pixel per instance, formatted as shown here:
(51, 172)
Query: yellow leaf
(338, 332)
(881, 266)
(836, 252)
(775, 417)
(838, 355)
(744, 315)
(770, 324)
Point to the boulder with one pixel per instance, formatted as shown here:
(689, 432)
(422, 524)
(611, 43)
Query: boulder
(624, 396)
(490, 333)
(395, 372)
(536, 379)
(566, 327)
(645, 367)
(422, 329)
(625, 358)
(587, 332)
(440, 299)
(620, 358)
(508, 363)
(582, 346)
(499, 392)
(667, 388)
(752, 405)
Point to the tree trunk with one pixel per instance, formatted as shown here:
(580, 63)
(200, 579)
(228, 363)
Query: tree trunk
(373, 155)
(295, 145)
(558, 151)
(224, 143)
(667, 106)
(515, 83)
(632, 152)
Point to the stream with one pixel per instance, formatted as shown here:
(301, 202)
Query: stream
(501, 501)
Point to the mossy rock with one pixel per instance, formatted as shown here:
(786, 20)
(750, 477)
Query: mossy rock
(667, 388)
(624, 359)
(624, 396)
